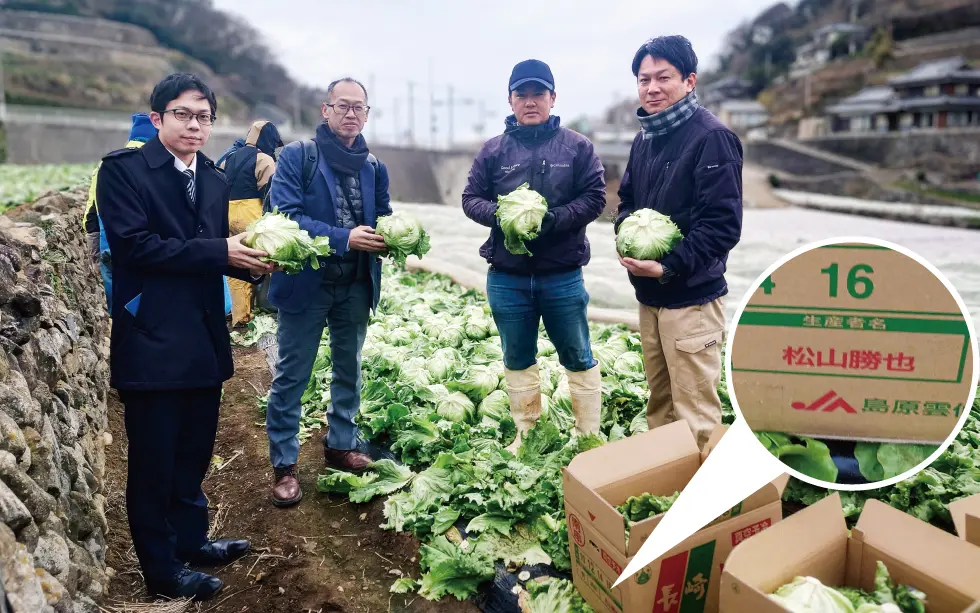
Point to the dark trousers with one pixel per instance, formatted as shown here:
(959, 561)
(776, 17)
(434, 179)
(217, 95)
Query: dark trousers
(171, 439)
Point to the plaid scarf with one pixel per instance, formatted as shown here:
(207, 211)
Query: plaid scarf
(668, 119)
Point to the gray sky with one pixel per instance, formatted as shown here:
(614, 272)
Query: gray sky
(589, 46)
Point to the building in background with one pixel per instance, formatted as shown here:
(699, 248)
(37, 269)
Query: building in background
(712, 95)
(942, 94)
(829, 43)
(869, 110)
(743, 115)
(934, 95)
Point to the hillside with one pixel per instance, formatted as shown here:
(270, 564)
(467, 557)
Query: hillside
(901, 34)
(107, 54)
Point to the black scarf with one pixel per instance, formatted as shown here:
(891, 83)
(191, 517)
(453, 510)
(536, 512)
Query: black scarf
(342, 159)
(531, 135)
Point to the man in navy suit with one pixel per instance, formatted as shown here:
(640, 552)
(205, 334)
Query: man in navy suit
(348, 192)
(164, 208)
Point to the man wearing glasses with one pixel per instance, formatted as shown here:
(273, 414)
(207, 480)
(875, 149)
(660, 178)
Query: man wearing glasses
(347, 194)
(164, 208)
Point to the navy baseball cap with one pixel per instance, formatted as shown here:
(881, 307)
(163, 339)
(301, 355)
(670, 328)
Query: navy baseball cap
(530, 71)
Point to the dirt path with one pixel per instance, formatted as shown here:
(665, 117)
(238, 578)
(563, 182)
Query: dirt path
(756, 191)
(325, 555)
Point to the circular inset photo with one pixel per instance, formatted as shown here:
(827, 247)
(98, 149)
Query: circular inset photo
(853, 361)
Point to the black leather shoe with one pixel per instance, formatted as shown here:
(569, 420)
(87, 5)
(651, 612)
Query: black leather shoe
(186, 584)
(215, 553)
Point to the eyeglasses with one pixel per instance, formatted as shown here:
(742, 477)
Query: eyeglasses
(184, 116)
(360, 110)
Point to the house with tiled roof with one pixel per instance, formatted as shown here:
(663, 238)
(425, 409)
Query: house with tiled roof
(934, 95)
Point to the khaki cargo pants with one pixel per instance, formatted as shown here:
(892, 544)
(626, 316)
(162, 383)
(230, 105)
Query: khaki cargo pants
(682, 359)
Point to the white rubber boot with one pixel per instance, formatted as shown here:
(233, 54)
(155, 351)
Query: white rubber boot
(524, 390)
(586, 391)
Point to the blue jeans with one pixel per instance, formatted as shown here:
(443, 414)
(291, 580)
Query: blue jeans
(520, 302)
(345, 311)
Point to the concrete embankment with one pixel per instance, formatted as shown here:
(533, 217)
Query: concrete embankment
(931, 214)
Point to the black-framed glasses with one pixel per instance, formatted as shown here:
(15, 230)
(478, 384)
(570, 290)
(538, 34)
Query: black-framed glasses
(359, 109)
(184, 116)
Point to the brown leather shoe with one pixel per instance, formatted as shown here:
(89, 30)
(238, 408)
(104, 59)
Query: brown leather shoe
(286, 491)
(350, 460)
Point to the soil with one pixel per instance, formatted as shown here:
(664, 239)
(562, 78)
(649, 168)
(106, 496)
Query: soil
(324, 555)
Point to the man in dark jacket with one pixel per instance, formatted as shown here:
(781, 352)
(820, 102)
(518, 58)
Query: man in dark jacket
(685, 164)
(249, 170)
(343, 202)
(165, 212)
(562, 166)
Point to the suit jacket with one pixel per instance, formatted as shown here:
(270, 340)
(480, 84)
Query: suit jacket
(315, 211)
(168, 258)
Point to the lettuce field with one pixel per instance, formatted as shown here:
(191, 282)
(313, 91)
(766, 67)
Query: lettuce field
(24, 183)
(434, 396)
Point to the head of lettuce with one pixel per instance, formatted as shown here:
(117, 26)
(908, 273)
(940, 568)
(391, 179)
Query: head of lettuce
(520, 214)
(404, 236)
(647, 235)
(289, 246)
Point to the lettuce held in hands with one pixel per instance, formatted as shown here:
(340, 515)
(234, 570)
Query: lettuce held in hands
(647, 235)
(288, 245)
(520, 214)
(404, 236)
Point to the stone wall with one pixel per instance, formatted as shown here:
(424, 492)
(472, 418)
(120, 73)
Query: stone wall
(950, 151)
(776, 157)
(53, 421)
(856, 185)
(81, 27)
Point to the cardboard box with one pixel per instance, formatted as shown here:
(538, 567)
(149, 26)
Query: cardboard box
(966, 518)
(853, 342)
(660, 461)
(815, 542)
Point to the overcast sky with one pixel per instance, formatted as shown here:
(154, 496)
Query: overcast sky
(385, 43)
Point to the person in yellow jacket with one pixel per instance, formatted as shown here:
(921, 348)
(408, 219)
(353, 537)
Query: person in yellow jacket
(249, 171)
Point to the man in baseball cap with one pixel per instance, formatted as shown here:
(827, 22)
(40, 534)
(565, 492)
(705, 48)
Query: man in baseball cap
(524, 289)
(532, 71)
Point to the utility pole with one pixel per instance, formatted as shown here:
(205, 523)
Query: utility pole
(411, 113)
(3, 94)
(449, 104)
(371, 127)
(296, 119)
(483, 115)
(398, 134)
(806, 94)
(432, 109)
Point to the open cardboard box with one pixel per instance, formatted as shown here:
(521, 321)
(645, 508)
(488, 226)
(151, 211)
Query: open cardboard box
(661, 462)
(815, 542)
(966, 518)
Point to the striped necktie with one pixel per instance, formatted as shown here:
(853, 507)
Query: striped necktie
(191, 188)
